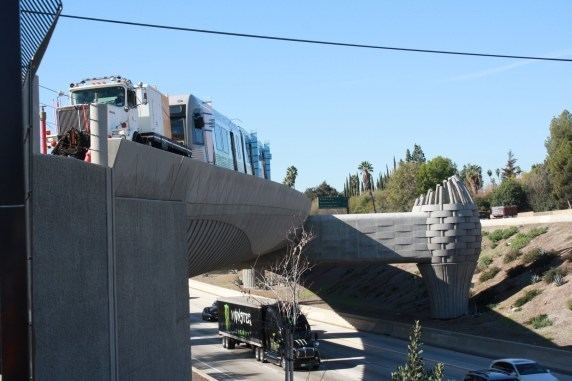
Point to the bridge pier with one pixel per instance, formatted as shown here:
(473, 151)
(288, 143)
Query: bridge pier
(249, 278)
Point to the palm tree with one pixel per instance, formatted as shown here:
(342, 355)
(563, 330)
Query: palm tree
(366, 169)
(472, 176)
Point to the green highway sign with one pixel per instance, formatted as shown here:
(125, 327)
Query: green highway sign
(332, 202)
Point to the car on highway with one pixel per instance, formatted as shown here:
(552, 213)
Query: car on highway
(210, 313)
(523, 369)
(489, 375)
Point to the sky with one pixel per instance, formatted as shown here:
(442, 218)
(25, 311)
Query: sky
(325, 109)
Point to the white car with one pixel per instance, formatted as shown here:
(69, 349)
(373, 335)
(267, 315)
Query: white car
(523, 369)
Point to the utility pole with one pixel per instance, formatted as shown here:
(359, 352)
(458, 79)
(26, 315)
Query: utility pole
(13, 213)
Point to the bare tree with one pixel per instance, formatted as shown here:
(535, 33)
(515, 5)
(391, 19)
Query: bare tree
(284, 281)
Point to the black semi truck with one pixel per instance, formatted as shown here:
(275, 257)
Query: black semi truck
(259, 325)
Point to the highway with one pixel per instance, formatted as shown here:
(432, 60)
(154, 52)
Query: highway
(346, 354)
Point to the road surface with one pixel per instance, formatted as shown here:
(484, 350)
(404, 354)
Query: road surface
(346, 354)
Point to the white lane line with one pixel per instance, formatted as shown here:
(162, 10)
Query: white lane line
(204, 337)
(344, 358)
(211, 367)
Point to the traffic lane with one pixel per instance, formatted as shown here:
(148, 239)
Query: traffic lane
(367, 355)
(223, 364)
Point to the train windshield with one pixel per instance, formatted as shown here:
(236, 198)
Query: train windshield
(105, 95)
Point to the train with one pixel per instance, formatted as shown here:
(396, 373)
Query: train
(182, 124)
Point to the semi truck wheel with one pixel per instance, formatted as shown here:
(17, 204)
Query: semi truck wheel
(283, 363)
(224, 342)
(257, 353)
(231, 343)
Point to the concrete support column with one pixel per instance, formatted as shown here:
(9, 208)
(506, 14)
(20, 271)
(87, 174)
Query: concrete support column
(98, 133)
(448, 286)
(249, 278)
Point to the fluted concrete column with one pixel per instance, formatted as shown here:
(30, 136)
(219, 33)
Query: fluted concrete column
(448, 286)
(454, 241)
(249, 278)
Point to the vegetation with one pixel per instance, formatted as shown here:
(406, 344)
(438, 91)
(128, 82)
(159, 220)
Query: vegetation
(290, 178)
(537, 256)
(527, 297)
(472, 175)
(366, 169)
(414, 368)
(520, 240)
(498, 234)
(570, 304)
(511, 255)
(322, 190)
(489, 273)
(401, 188)
(434, 172)
(559, 158)
(540, 321)
(538, 188)
(509, 192)
(484, 262)
(510, 170)
(552, 274)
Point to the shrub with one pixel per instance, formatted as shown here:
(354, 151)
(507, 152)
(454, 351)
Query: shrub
(551, 274)
(570, 304)
(484, 262)
(509, 192)
(540, 321)
(538, 257)
(559, 280)
(535, 232)
(535, 278)
(499, 234)
(522, 239)
(511, 255)
(527, 297)
(489, 273)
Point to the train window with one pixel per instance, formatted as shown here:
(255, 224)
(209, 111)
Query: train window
(178, 129)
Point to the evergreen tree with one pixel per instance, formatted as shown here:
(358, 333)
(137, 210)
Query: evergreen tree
(559, 159)
(510, 170)
(414, 368)
(418, 156)
(407, 156)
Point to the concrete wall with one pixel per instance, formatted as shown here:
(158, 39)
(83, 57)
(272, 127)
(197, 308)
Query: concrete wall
(151, 290)
(110, 298)
(70, 271)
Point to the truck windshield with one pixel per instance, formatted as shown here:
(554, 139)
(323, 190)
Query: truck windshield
(105, 95)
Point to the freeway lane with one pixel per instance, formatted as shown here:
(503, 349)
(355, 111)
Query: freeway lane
(346, 354)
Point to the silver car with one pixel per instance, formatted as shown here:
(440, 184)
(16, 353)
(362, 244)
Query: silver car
(523, 369)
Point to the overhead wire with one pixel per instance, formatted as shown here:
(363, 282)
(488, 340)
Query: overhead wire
(307, 41)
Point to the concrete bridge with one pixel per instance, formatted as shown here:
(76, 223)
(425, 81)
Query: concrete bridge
(114, 244)
(442, 235)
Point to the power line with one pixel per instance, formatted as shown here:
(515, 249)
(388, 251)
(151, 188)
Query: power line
(306, 41)
(60, 93)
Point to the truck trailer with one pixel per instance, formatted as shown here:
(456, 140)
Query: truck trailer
(259, 325)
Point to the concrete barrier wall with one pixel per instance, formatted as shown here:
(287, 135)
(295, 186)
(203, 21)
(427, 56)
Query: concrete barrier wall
(151, 290)
(71, 322)
(110, 294)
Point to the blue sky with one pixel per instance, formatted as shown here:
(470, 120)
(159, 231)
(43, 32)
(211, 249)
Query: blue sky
(326, 109)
